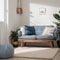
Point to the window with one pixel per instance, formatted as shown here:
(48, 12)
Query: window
(1, 10)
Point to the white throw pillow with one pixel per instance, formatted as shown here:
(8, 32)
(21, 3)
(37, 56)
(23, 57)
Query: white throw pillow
(48, 31)
(22, 30)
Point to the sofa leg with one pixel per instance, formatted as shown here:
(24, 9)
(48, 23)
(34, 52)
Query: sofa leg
(52, 44)
(22, 43)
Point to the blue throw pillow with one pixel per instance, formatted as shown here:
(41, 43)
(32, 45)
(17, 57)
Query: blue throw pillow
(29, 30)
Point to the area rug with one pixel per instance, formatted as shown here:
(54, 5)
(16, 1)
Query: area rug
(36, 53)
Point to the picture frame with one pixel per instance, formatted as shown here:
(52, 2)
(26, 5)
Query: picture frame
(42, 11)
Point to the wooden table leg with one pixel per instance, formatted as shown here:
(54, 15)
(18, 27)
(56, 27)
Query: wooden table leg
(52, 44)
(22, 43)
(19, 43)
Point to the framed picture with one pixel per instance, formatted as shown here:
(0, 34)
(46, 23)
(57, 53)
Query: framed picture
(42, 11)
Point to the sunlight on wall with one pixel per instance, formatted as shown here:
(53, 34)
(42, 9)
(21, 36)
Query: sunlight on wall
(42, 19)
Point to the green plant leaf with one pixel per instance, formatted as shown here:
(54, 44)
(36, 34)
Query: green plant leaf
(17, 30)
(56, 16)
(59, 12)
(57, 23)
(13, 36)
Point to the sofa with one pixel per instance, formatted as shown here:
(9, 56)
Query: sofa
(37, 34)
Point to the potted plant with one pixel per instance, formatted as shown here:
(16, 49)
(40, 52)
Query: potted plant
(14, 37)
(57, 16)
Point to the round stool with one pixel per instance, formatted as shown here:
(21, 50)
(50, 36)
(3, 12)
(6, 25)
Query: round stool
(6, 51)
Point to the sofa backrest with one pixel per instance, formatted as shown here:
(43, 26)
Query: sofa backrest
(35, 30)
(39, 29)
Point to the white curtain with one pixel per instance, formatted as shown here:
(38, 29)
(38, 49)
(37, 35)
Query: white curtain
(1, 10)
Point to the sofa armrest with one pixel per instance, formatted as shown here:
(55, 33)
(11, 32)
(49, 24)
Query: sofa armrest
(55, 34)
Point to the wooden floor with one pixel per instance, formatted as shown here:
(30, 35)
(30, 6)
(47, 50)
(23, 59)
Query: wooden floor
(22, 59)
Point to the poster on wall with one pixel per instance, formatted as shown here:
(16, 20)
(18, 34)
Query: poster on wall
(42, 11)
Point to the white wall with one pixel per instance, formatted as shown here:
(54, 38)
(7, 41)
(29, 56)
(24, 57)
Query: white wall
(25, 15)
(42, 19)
(31, 14)
(14, 18)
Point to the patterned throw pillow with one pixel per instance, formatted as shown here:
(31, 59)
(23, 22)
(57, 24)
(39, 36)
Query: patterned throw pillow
(48, 31)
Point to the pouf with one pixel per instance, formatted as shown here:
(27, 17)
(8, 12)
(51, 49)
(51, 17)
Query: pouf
(6, 51)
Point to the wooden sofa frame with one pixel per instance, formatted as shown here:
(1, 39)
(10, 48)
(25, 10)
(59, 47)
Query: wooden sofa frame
(23, 41)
